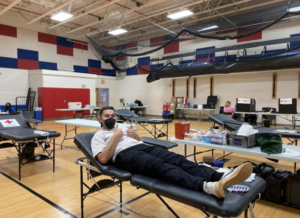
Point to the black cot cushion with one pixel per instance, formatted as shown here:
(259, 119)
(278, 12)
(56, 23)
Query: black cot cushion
(83, 142)
(232, 205)
(24, 134)
(126, 114)
(159, 143)
(228, 122)
(150, 120)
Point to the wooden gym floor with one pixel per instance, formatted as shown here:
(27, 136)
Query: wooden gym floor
(42, 193)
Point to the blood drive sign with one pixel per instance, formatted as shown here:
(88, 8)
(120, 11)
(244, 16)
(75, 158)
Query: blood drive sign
(286, 101)
(9, 123)
(243, 101)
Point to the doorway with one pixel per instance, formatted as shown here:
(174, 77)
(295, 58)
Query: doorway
(102, 97)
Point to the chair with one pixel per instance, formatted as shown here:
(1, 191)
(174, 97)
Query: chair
(227, 113)
(79, 114)
(94, 114)
(269, 117)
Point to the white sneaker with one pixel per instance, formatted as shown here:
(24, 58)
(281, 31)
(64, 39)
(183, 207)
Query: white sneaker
(214, 188)
(236, 176)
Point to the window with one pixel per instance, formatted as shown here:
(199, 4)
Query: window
(195, 88)
(211, 86)
(274, 86)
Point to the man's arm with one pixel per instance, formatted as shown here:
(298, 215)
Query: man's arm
(109, 150)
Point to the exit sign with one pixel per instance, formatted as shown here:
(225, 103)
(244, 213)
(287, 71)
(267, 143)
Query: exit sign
(102, 81)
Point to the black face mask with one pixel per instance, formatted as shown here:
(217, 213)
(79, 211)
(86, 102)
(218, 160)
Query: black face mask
(110, 123)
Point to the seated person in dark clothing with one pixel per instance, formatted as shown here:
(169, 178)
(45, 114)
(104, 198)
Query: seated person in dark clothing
(8, 108)
(250, 118)
(128, 152)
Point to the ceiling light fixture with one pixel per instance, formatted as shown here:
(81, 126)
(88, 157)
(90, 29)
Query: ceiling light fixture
(294, 9)
(209, 28)
(117, 32)
(180, 14)
(61, 16)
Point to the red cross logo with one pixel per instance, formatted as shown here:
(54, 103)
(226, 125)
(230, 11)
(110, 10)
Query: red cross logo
(8, 121)
(244, 100)
(284, 101)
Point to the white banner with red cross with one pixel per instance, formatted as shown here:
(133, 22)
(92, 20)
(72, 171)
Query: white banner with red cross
(9, 123)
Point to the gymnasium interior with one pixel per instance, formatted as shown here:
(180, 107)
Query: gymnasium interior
(215, 81)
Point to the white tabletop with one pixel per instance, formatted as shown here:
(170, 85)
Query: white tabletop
(77, 109)
(91, 123)
(255, 151)
(196, 109)
(3, 113)
(265, 113)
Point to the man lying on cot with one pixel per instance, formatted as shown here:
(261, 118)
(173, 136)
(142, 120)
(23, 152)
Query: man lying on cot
(128, 152)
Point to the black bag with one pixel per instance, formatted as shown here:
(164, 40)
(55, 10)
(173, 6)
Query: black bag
(264, 170)
(138, 102)
(293, 189)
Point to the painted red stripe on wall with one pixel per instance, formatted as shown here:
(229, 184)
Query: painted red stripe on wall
(80, 45)
(205, 59)
(93, 70)
(141, 71)
(8, 31)
(63, 50)
(47, 38)
(28, 64)
(157, 41)
(173, 47)
(249, 38)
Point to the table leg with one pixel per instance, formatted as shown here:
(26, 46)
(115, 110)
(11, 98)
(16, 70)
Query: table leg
(53, 154)
(20, 159)
(66, 132)
(294, 122)
(185, 150)
(195, 154)
(61, 115)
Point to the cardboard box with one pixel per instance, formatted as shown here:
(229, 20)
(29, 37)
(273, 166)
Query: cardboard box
(186, 106)
(173, 104)
(179, 99)
(172, 111)
(180, 105)
(173, 99)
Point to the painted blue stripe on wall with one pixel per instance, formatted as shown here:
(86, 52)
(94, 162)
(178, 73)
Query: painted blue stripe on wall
(227, 60)
(169, 37)
(186, 61)
(120, 47)
(108, 72)
(81, 69)
(156, 66)
(94, 63)
(47, 65)
(64, 42)
(132, 71)
(28, 54)
(8, 62)
(145, 61)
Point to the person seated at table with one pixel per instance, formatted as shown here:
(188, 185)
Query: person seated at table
(128, 152)
(8, 108)
(229, 109)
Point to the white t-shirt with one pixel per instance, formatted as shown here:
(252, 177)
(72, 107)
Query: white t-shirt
(103, 137)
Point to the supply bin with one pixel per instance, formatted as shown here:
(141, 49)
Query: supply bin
(38, 114)
(241, 141)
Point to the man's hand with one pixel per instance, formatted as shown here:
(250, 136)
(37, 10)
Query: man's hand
(118, 133)
(131, 133)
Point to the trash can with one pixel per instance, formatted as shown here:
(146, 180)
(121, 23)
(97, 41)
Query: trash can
(38, 113)
(267, 123)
